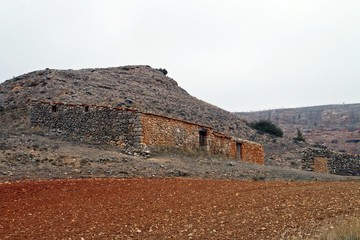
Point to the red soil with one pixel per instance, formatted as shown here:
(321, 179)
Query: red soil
(171, 208)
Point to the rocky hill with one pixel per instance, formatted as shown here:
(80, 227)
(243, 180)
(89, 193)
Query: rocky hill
(137, 86)
(334, 126)
(140, 87)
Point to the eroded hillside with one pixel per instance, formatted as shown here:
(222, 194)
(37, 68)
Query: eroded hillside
(334, 126)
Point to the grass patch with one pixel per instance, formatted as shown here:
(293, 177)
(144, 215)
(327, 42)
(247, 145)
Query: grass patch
(348, 229)
(188, 152)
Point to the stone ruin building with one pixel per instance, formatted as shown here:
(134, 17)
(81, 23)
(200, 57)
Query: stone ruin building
(137, 132)
(324, 160)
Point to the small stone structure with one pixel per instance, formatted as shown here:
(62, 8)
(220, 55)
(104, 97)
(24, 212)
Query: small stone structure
(328, 161)
(136, 132)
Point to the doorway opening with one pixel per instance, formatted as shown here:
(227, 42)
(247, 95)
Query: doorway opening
(202, 137)
(238, 151)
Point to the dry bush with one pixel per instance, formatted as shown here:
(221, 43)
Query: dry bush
(345, 230)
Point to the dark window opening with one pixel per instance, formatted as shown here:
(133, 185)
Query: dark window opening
(86, 108)
(238, 150)
(53, 108)
(202, 137)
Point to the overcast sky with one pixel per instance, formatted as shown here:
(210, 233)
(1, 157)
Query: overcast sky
(236, 54)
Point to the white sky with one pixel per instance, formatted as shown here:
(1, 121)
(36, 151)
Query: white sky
(236, 54)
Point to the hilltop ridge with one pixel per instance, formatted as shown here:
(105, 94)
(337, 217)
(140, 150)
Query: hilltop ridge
(140, 87)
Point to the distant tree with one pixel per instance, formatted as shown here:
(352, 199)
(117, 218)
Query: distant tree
(267, 126)
(299, 137)
(163, 70)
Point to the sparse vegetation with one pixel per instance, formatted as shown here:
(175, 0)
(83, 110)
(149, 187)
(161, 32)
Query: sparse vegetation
(163, 70)
(299, 137)
(187, 152)
(267, 126)
(346, 230)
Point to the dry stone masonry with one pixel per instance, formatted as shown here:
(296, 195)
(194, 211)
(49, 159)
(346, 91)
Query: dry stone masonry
(163, 131)
(90, 123)
(327, 161)
(136, 132)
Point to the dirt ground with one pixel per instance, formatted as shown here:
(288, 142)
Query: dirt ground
(172, 208)
(32, 156)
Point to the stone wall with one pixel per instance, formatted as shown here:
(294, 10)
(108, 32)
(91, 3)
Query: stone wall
(252, 152)
(221, 144)
(88, 123)
(328, 161)
(320, 165)
(167, 132)
(134, 131)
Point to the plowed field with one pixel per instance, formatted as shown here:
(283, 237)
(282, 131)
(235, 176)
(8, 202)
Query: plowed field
(171, 208)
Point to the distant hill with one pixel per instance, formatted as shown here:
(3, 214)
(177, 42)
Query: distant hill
(334, 126)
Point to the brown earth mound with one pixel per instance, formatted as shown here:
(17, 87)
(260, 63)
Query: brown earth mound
(171, 208)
